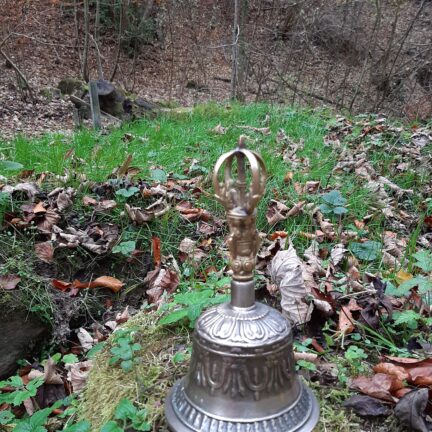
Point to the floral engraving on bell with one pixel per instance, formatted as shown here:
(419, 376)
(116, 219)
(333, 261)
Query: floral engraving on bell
(257, 326)
(240, 378)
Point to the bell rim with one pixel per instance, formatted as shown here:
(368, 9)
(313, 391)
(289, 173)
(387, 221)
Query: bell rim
(176, 423)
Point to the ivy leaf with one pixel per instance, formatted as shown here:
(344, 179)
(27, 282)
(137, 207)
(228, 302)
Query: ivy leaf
(424, 261)
(10, 165)
(125, 248)
(325, 208)
(340, 210)
(159, 175)
(367, 251)
(125, 410)
(127, 193)
(334, 198)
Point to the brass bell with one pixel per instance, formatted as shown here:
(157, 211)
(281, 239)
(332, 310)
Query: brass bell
(242, 374)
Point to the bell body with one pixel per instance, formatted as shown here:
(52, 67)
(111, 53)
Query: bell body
(242, 376)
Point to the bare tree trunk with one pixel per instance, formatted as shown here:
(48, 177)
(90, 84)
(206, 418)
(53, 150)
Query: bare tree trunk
(98, 58)
(77, 34)
(238, 75)
(97, 22)
(85, 73)
(120, 35)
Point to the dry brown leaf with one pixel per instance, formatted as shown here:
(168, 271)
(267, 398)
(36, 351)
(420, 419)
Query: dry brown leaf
(64, 201)
(402, 276)
(310, 357)
(276, 212)
(109, 282)
(409, 361)
(50, 373)
(264, 131)
(61, 285)
(78, 373)
(9, 282)
(311, 186)
(141, 216)
(45, 251)
(89, 201)
(156, 249)
(326, 227)
(29, 189)
(324, 306)
(294, 211)
(187, 246)
(278, 234)
(288, 177)
(286, 272)
(100, 206)
(390, 369)
(219, 129)
(337, 254)
(194, 214)
(86, 339)
(346, 320)
(359, 224)
(50, 218)
(379, 386)
(164, 280)
(106, 205)
(124, 316)
(39, 208)
(421, 375)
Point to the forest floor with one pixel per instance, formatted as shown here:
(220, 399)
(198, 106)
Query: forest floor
(119, 230)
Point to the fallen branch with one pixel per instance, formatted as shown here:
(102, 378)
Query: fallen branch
(81, 103)
(24, 85)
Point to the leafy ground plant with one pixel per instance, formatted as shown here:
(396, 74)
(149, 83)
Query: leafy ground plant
(334, 203)
(188, 306)
(128, 416)
(124, 349)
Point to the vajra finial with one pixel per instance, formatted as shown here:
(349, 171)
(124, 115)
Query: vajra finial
(239, 191)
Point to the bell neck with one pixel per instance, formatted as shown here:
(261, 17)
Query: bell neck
(242, 294)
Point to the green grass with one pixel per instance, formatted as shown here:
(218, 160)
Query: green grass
(173, 141)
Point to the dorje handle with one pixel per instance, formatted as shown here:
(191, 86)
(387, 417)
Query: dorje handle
(239, 191)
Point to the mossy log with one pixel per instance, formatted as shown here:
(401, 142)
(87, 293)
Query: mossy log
(147, 384)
